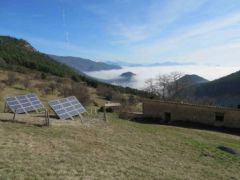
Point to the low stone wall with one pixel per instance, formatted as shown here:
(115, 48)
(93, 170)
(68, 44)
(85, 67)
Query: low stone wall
(210, 115)
(130, 115)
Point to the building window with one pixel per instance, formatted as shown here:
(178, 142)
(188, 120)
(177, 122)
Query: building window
(219, 116)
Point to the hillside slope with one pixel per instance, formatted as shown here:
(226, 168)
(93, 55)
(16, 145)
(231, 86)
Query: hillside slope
(228, 85)
(18, 53)
(224, 91)
(84, 65)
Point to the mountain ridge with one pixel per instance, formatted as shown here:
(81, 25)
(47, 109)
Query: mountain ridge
(84, 65)
(224, 91)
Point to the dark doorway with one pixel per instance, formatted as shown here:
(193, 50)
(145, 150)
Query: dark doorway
(238, 106)
(167, 117)
(219, 117)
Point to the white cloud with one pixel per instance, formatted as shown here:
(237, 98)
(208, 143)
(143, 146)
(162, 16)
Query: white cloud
(209, 34)
(157, 18)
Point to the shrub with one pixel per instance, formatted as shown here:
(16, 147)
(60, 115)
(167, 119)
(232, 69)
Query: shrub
(81, 92)
(26, 83)
(43, 76)
(52, 86)
(46, 90)
(132, 100)
(2, 86)
(11, 78)
(105, 92)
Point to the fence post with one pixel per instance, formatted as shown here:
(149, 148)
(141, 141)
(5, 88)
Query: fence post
(46, 117)
(5, 106)
(105, 113)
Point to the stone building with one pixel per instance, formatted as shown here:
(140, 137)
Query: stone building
(209, 115)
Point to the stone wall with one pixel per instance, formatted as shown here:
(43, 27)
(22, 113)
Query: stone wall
(210, 115)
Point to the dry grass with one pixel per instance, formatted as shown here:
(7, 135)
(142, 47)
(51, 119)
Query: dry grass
(115, 150)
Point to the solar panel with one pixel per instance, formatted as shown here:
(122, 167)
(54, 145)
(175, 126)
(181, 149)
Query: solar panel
(67, 108)
(24, 103)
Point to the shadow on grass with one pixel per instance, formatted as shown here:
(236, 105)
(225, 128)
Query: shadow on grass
(24, 122)
(190, 125)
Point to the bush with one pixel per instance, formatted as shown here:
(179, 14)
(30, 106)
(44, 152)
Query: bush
(2, 86)
(105, 92)
(132, 100)
(43, 76)
(81, 92)
(11, 78)
(52, 86)
(26, 83)
(119, 97)
(46, 90)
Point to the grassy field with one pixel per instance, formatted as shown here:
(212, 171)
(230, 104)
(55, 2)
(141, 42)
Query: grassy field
(118, 149)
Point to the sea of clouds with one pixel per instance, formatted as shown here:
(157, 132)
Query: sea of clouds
(209, 72)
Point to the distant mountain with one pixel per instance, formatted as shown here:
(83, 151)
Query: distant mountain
(228, 85)
(84, 65)
(192, 79)
(166, 63)
(127, 75)
(122, 63)
(126, 79)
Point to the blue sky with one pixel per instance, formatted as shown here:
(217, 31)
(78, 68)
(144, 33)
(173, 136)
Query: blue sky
(136, 31)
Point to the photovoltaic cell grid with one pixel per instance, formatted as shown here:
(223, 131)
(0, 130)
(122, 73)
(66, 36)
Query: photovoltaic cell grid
(67, 108)
(24, 104)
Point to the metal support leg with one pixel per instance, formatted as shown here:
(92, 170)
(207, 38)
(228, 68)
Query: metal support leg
(15, 112)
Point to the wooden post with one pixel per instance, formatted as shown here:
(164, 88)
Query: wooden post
(105, 113)
(46, 117)
(5, 106)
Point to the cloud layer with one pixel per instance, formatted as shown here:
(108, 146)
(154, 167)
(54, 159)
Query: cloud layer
(142, 73)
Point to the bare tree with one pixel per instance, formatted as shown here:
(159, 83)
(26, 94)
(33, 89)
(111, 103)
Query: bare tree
(165, 85)
(163, 82)
(175, 85)
(150, 86)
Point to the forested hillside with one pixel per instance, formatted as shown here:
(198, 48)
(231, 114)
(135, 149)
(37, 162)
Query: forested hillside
(224, 91)
(17, 53)
(228, 85)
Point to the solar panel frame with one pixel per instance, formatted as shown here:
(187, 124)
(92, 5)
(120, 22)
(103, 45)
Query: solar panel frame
(24, 103)
(65, 108)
